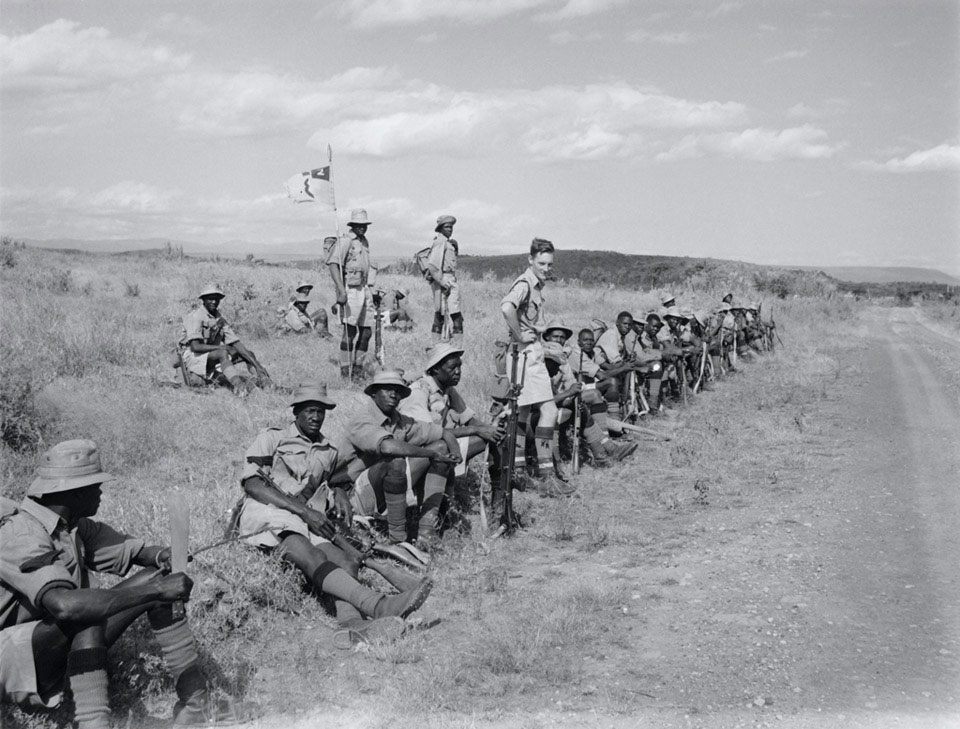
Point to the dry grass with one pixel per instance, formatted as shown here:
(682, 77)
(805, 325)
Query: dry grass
(520, 617)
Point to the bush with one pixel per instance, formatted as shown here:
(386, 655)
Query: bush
(21, 422)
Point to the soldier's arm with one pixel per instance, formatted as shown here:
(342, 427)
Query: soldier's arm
(87, 605)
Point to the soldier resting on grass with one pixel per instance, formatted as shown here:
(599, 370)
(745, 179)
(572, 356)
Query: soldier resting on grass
(601, 379)
(298, 319)
(389, 454)
(210, 349)
(566, 388)
(56, 628)
(434, 399)
(286, 482)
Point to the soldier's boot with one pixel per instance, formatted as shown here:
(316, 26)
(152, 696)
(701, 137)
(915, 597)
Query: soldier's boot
(619, 451)
(436, 330)
(335, 582)
(239, 385)
(396, 576)
(434, 487)
(456, 327)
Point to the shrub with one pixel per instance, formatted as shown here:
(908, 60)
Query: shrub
(21, 422)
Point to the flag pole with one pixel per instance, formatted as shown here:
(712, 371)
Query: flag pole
(344, 324)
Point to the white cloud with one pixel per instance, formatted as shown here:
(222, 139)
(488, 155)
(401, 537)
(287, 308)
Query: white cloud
(557, 122)
(667, 38)
(943, 157)
(726, 8)
(581, 9)
(379, 13)
(803, 111)
(787, 56)
(63, 56)
(758, 144)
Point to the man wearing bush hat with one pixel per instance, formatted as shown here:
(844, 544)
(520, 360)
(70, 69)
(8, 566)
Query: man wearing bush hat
(388, 453)
(288, 491)
(348, 260)
(55, 628)
(434, 399)
(209, 347)
(442, 266)
(297, 318)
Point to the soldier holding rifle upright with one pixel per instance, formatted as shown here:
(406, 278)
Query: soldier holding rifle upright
(523, 312)
(442, 265)
(348, 259)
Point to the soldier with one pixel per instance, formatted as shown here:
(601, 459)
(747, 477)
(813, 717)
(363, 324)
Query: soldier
(55, 629)
(727, 331)
(601, 378)
(566, 388)
(442, 266)
(620, 347)
(523, 312)
(209, 347)
(286, 482)
(652, 346)
(383, 448)
(348, 260)
(297, 318)
(394, 313)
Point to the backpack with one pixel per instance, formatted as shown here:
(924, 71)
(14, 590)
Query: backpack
(421, 257)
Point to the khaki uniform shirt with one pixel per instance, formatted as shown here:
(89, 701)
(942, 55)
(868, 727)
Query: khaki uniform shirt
(199, 325)
(369, 427)
(40, 553)
(293, 461)
(428, 403)
(443, 254)
(590, 370)
(352, 255)
(296, 321)
(614, 346)
(526, 296)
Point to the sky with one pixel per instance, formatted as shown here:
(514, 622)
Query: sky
(785, 132)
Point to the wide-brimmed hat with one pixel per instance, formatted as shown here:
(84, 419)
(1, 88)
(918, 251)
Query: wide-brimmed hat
(753, 306)
(439, 352)
(303, 284)
(358, 216)
(384, 378)
(655, 314)
(598, 325)
(700, 316)
(211, 290)
(736, 306)
(312, 392)
(445, 220)
(724, 306)
(674, 312)
(69, 465)
(557, 324)
(666, 297)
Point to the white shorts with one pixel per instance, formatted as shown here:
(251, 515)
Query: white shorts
(18, 672)
(536, 381)
(359, 303)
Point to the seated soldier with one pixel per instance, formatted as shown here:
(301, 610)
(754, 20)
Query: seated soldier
(601, 380)
(55, 629)
(434, 399)
(388, 453)
(726, 330)
(392, 312)
(621, 346)
(209, 348)
(673, 349)
(298, 319)
(566, 388)
(287, 489)
(652, 346)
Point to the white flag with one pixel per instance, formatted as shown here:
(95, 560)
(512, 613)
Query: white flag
(313, 186)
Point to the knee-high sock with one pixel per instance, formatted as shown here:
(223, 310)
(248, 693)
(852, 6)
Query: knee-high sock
(544, 440)
(335, 582)
(177, 644)
(87, 674)
(434, 488)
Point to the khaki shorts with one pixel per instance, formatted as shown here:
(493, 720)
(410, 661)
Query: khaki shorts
(18, 672)
(453, 296)
(255, 516)
(195, 363)
(536, 380)
(359, 304)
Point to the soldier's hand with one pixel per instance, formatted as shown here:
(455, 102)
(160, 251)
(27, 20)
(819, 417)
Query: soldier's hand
(174, 588)
(319, 524)
(163, 560)
(342, 507)
(449, 458)
(490, 433)
(528, 337)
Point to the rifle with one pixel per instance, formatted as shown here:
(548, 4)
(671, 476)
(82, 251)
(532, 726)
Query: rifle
(703, 363)
(445, 329)
(577, 404)
(344, 537)
(378, 344)
(508, 519)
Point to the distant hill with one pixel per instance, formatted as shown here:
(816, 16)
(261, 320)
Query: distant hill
(878, 274)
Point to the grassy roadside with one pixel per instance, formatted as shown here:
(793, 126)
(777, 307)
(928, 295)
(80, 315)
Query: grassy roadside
(86, 343)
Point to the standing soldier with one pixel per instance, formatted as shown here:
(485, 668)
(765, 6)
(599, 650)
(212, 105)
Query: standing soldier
(442, 265)
(348, 259)
(523, 312)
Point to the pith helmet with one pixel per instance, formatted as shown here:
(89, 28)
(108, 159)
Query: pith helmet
(212, 290)
(388, 377)
(666, 299)
(358, 216)
(303, 284)
(674, 312)
(69, 465)
(312, 392)
(445, 220)
(439, 352)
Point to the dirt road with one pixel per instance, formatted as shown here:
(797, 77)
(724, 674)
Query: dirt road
(826, 595)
